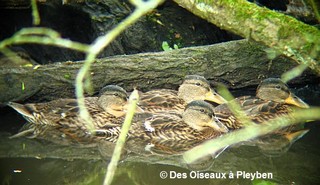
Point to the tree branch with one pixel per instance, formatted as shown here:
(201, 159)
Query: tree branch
(275, 30)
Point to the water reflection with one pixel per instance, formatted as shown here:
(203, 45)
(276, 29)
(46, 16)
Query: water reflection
(62, 162)
(274, 145)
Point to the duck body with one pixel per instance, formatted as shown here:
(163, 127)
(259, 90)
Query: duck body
(273, 99)
(56, 112)
(196, 123)
(104, 110)
(163, 135)
(194, 87)
(162, 100)
(63, 120)
(169, 127)
(257, 110)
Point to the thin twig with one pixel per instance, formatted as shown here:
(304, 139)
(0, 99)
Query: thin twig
(42, 36)
(293, 73)
(297, 71)
(38, 31)
(133, 100)
(35, 12)
(234, 106)
(99, 44)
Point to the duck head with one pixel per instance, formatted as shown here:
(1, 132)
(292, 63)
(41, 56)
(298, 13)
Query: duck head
(275, 90)
(199, 115)
(196, 87)
(113, 99)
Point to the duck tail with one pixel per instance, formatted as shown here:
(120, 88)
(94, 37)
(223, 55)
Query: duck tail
(24, 110)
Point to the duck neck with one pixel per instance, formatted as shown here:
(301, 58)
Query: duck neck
(116, 111)
(112, 106)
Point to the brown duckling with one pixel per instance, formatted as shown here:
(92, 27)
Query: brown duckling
(197, 122)
(194, 87)
(110, 104)
(273, 98)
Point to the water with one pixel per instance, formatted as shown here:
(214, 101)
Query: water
(31, 161)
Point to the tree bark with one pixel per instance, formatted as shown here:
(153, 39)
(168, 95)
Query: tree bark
(285, 34)
(238, 64)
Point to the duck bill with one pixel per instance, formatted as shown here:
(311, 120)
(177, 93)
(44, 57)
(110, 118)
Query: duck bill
(218, 126)
(214, 97)
(293, 137)
(295, 100)
(138, 109)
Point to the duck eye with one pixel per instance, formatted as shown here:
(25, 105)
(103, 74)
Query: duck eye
(202, 110)
(198, 84)
(278, 87)
(116, 94)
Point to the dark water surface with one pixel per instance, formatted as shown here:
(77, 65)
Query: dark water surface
(31, 161)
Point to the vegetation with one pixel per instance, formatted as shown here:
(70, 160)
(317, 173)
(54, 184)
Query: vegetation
(133, 100)
(166, 47)
(282, 33)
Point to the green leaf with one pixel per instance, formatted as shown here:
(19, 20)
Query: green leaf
(175, 46)
(23, 86)
(165, 46)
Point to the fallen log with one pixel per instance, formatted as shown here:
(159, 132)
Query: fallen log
(238, 64)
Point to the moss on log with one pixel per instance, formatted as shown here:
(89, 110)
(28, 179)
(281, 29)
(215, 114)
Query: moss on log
(286, 34)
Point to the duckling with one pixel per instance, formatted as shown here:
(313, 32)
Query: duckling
(167, 134)
(194, 87)
(196, 123)
(110, 104)
(274, 89)
(273, 98)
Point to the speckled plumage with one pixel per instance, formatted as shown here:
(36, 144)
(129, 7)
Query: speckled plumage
(194, 87)
(196, 123)
(104, 110)
(273, 99)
